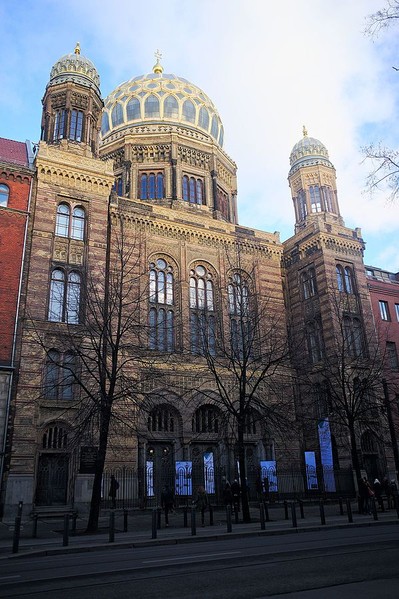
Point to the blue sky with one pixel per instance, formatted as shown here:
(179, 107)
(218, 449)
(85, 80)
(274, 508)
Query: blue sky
(269, 69)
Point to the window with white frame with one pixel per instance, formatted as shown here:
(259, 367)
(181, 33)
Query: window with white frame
(70, 222)
(162, 301)
(384, 310)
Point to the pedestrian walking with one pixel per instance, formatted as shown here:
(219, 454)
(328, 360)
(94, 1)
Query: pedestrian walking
(113, 489)
(201, 503)
(235, 489)
(167, 502)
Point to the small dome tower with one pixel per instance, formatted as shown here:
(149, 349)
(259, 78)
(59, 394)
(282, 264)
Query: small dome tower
(72, 104)
(313, 183)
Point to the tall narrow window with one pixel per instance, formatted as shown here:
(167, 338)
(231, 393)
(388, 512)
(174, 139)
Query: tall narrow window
(315, 201)
(68, 225)
(340, 278)
(59, 375)
(171, 107)
(308, 281)
(151, 107)
(345, 279)
(151, 186)
(117, 115)
(202, 306)
(161, 313)
(76, 125)
(392, 355)
(59, 125)
(384, 310)
(4, 194)
(314, 341)
(62, 220)
(64, 301)
(242, 331)
(78, 223)
(302, 208)
(353, 337)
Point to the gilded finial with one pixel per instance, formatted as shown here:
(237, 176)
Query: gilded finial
(158, 68)
(304, 130)
(77, 48)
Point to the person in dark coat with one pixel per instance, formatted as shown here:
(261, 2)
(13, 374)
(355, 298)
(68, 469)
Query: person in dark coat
(377, 488)
(167, 502)
(363, 496)
(201, 503)
(113, 488)
(227, 495)
(235, 489)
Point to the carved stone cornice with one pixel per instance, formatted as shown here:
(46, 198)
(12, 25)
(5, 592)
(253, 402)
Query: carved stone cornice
(56, 165)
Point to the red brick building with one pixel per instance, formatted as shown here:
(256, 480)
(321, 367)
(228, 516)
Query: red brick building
(16, 181)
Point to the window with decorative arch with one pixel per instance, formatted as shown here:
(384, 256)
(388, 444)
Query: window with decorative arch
(202, 310)
(315, 198)
(4, 194)
(55, 437)
(70, 222)
(314, 338)
(59, 375)
(163, 419)
(151, 186)
(65, 294)
(345, 279)
(206, 419)
(308, 282)
(193, 190)
(162, 306)
(251, 422)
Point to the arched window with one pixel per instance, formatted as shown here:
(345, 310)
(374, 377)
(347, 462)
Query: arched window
(151, 107)
(151, 186)
(78, 223)
(161, 313)
(215, 127)
(308, 282)
(302, 207)
(76, 125)
(188, 111)
(64, 302)
(345, 280)
(133, 110)
(117, 115)
(327, 195)
(203, 120)
(104, 124)
(315, 200)
(59, 125)
(171, 107)
(242, 329)
(4, 194)
(55, 437)
(238, 295)
(193, 190)
(340, 277)
(206, 419)
(162, 419)
(66, 226)
(202, 308)
(314, 341)
(59, 375)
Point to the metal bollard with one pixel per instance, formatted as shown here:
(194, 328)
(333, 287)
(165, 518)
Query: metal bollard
(185, 517)
(293, 515)
(262, 516)
(34, 526)
(267, 517)
(125, 522)
(210, 515)
(228, 517)
(74, 518)
(341, 506)
(322, 513)
(349, 510)
(374, 508)
(159, 514)
(16, 535)
(396, 504)
(193, 523)
(301, 509)
(20, 506)
(285, 510)
(65, 535)
(154, 524)
(236, 513)
(111, 526)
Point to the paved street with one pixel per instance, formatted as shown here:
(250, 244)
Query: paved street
(343, 561)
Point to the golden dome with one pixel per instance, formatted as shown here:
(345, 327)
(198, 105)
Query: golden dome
(308, 151)
(161, 99)
(77, 68)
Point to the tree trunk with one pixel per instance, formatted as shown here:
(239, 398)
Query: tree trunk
(95, 503)
(246, 516)
(354, 454)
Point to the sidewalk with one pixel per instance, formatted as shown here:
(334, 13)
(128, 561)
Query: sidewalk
(49, 539)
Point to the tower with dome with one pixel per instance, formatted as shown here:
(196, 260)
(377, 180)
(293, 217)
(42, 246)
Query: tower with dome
(146, 169)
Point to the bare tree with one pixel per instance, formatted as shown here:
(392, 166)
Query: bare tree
(107, 366)
(344, 384)
(384, 160)
(246, 360)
